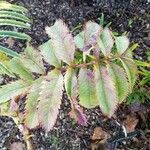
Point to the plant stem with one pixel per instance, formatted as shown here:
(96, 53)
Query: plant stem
(29, 143)
(63, 69)
(26, 136)
(76, 66)
(83, 65)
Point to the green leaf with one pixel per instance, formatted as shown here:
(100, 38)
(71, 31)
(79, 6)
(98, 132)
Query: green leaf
(142, 63)
(90, 30)
(133, 47)
(102, 20)
(48, 54)
(70, 81)
(14, 23)
(18, 68)
(62, 41)
(8, 52)
(14, 34)
(105, 91)
(14, 15)
(79, 40)
(144, 72)
(12, 90)
(13, 7)
(146, 76)
(5, 70)
(87, 95)
(31, 116)
(31, 113)
(105, 42)
(50, 99)
(32, 60)
(145, 80)
(121, 81)
(131, 71)
(122, 43)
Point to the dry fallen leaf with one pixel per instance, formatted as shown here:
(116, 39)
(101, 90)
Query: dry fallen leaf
(100, 146)
(130, 123)
(100, 134)
(99, 138)
(17, 146)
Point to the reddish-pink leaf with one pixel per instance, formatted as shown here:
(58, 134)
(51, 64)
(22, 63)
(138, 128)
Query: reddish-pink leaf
(77, 114)
(31, 118)
(50, 99)
(13, 105)
(91, 34)
(62, 41)
(131, 122)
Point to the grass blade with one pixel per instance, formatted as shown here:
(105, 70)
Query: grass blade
(14, 15)
(8, 51)
(15, 35)
(13, 7)
(11, 22)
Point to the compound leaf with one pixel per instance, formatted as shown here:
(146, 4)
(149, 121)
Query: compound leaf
(50, 99)
(62, 41)
(87, 93)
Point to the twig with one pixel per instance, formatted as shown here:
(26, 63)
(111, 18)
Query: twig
(121, 137)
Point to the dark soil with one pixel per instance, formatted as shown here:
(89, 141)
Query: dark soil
(132, 16)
